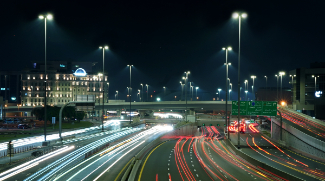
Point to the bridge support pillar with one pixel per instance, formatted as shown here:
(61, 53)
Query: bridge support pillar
(192, 112)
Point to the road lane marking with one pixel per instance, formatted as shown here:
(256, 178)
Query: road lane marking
(123, 169)
(147, 160)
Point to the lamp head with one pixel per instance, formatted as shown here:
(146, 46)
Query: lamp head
(246, 91)
(229, 48)
(235, 15)
(41, 17)
(100, 47)
(229, 63)
(244, 15)
(223, 48)
(106, 47)
(196, 87)
(219, 89)
(49, 17)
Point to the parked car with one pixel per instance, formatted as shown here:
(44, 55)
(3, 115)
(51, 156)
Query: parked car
(37, 153)
(23, 126)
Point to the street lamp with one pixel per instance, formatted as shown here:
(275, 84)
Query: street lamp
(139, 93)
(147, 91)
(186, 79)
(265, 87)
(230, 91)
(281, 74)
(277, 85)
(142, 93)
(253, 77)
(315, 95)
(219, 90)
(292, 79)
(103, 48)
(227, 64)
(182, 88)
(117, 94)
(164, 93)
(239, 16)
(196, 88)
(246, 95)
(130, 90)
(45, 17)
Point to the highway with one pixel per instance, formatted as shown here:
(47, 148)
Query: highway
(263, 149)
(198, 158)
(74, 149)
(101, 166)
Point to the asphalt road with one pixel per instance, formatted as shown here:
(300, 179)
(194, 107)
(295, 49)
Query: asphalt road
(109, 165)
(173, 160)
(264, 150)
(24, 174)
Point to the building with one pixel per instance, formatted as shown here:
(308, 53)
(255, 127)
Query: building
(65, 80)
(10, 86)
(274, 94)
(308, 88)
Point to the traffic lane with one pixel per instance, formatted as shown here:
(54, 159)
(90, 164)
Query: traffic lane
(223, 165)
(45, 163)
(160, 163)
(304, 163)
(280, 165)
(292, 160)
(114, 171)
(192, 161)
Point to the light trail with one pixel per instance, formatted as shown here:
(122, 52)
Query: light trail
(32, 163)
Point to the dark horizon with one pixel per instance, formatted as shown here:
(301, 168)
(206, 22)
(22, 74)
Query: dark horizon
(162, 40)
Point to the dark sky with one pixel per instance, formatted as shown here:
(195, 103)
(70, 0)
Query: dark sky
(162, 39)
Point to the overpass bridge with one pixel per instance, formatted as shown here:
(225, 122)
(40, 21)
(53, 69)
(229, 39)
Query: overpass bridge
(179, 105)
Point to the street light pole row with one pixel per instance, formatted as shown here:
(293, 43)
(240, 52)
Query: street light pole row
(45, 17)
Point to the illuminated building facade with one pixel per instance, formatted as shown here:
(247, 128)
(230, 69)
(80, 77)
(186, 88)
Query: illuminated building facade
(62, 87)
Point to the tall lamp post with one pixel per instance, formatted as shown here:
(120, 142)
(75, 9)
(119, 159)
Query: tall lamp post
(147, 91)
(239, 16)
(219, 90)
(141, 93)
(117, 94)
(281, 74)
(246, 95)
(314, 93)
(130, 90)
(45, 17)
(253, 92)
(196, 88)
(164, 93)
(292, 88)
(227, 64)
(102, 117)
(265, 87)
(277, 85)
(186, 79)
(182, 88)
(230, 84)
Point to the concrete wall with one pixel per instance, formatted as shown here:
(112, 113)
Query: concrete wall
(297, 139)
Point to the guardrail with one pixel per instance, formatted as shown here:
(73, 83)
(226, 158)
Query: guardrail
(260, 164)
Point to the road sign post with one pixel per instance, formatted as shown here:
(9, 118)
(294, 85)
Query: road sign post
(254, 108)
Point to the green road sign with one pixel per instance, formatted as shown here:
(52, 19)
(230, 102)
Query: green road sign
(252, 108)
(252, 121)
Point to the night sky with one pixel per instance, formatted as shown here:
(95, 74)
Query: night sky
(162, 39)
